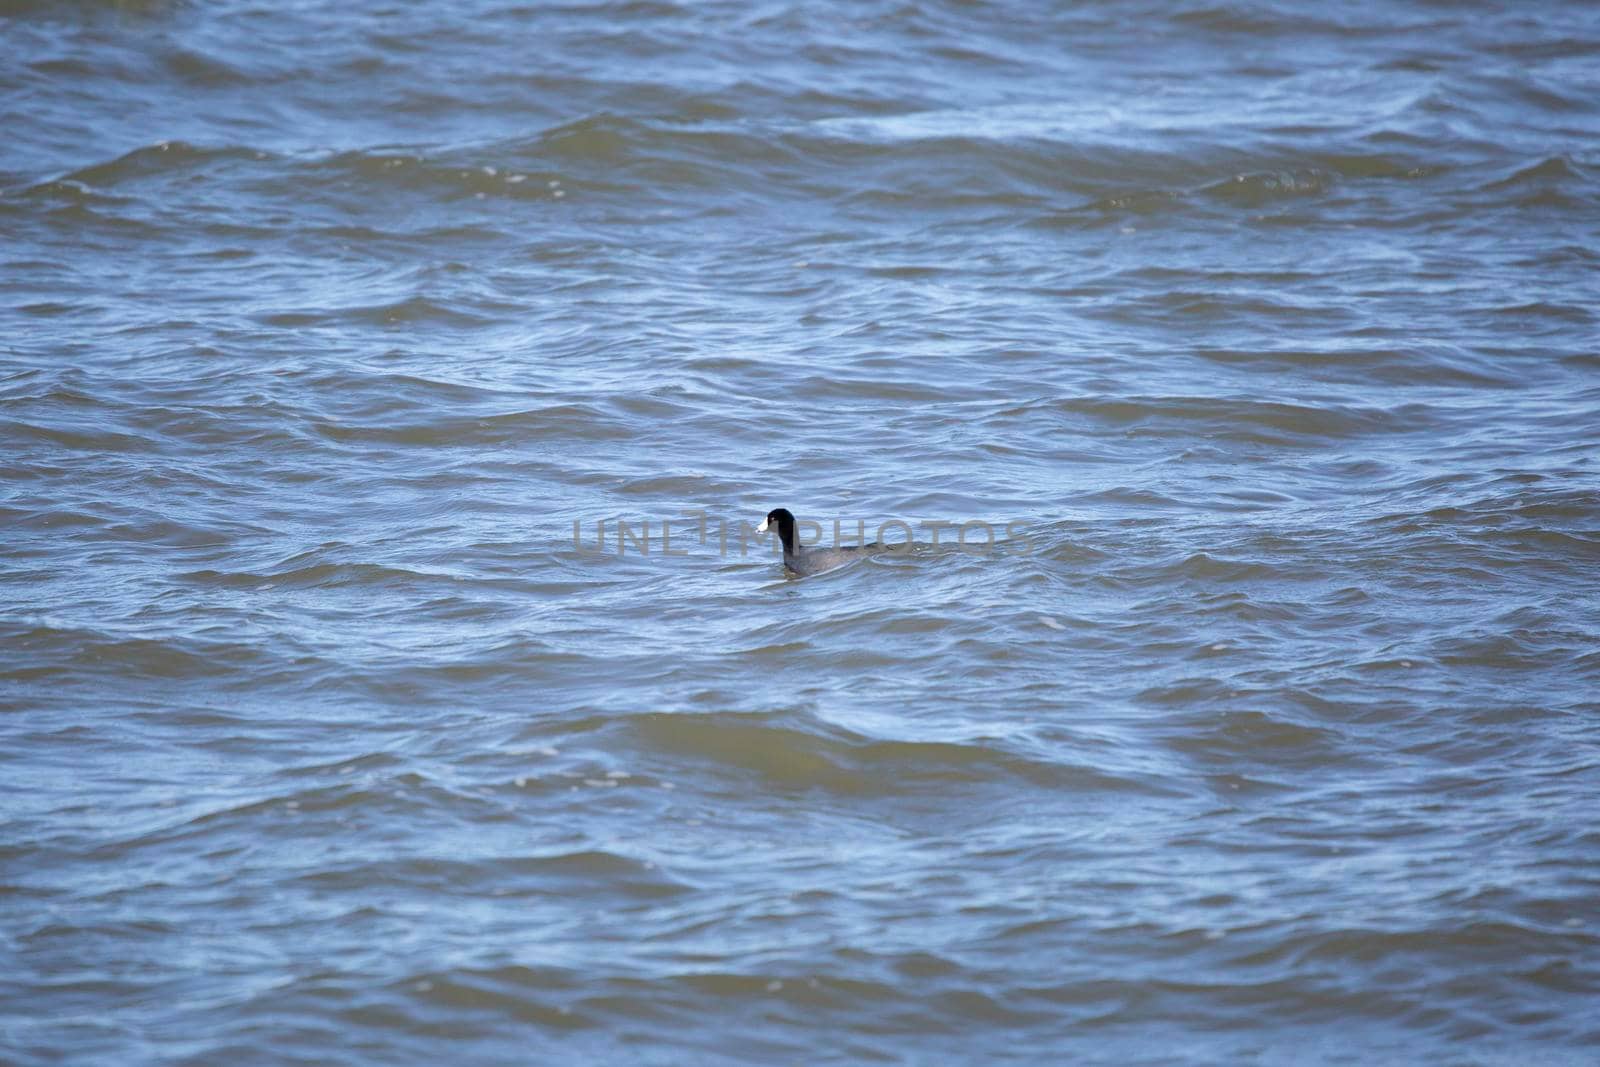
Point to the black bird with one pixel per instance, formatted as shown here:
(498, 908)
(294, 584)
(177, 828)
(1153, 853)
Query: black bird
(801, 560)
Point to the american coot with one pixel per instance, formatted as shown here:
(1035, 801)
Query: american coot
(802, 560)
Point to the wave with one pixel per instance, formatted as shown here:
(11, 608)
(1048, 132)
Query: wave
(787, 755)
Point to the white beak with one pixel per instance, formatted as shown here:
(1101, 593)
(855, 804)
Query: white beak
(763, 527)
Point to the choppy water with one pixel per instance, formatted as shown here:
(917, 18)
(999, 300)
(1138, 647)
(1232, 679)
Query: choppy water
(1268, 735)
